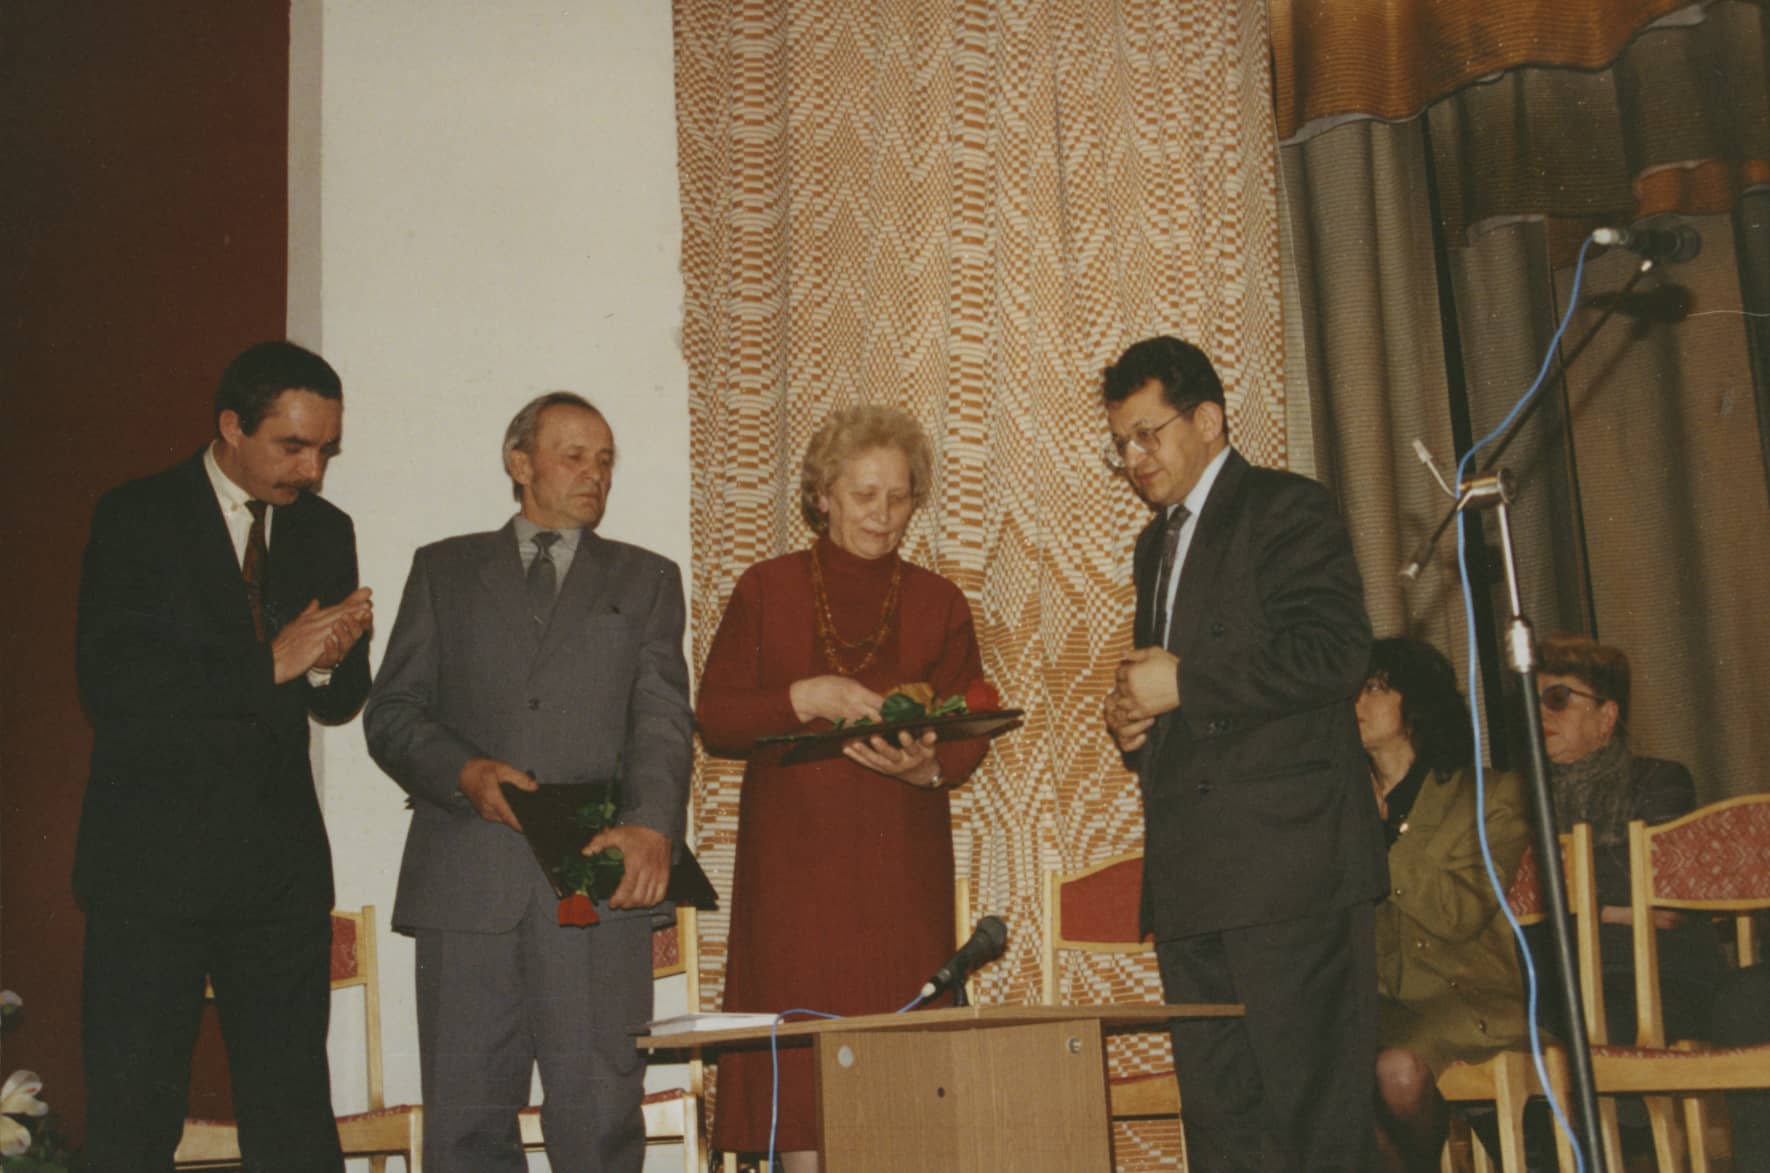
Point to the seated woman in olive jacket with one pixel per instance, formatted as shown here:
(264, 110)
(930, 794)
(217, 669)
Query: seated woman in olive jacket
(1447, 968)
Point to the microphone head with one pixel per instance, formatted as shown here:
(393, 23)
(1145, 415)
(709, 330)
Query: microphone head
(1685, 244)
(1673, 244)
(992, 935)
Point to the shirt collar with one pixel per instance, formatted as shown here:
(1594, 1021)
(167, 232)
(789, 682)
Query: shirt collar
(233, 498)
(1195, 500)
(526, 531)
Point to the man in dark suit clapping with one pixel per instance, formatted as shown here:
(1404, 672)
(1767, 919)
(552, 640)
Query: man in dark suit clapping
(219, 608)
(1264, 854)
(539, 653)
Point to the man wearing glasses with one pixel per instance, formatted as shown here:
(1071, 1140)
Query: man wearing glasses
(1264, 854)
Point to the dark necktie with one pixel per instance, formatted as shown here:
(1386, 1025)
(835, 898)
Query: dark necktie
(1170, 550)
(543, 578)
(252, 566)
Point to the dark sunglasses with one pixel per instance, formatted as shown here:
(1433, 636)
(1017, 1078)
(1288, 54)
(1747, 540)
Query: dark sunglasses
(1555, 697)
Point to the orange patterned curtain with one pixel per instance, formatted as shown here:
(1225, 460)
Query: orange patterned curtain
(966, 208)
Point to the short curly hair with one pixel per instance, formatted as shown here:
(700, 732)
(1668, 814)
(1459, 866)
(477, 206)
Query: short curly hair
(1432, 708)
(847, 433)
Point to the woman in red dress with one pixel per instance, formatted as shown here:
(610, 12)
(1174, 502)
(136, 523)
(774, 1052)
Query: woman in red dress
(843, 895)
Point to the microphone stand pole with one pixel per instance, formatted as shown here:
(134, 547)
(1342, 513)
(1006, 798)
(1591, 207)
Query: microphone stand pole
(1494, 492)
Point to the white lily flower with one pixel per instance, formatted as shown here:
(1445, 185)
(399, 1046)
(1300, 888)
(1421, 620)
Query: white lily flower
(15, 1139)
(18, 1097)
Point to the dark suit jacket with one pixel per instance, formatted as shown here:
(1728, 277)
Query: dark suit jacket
(201, 794)
(603, 690)
(1256, 794)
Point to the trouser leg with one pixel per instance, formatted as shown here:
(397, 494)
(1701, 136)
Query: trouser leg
(141, 1000)
(273, 994)
(474, 1052)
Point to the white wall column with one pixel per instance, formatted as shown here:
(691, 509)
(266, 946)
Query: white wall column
(483, 206)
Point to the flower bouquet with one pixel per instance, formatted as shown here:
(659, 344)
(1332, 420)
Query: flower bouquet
(559, 820)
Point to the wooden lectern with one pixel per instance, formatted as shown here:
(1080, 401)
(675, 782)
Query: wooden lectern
(972, 1089)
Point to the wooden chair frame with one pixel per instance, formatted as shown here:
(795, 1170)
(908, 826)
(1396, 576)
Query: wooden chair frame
(1510, 1079)
(377, 1133)
(1148, 1095)
(1679, 1072)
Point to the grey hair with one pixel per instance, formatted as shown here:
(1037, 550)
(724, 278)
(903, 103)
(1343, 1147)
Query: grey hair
(850, 431)
(526, 425)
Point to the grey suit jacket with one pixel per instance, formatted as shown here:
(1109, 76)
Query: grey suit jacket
(603, 689)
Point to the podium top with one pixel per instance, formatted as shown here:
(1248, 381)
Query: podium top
(951, 1018)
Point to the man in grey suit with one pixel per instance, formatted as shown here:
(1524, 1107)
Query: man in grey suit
(537, 654)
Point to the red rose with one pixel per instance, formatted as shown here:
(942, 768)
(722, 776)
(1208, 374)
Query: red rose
(577, 909)
(981, 697)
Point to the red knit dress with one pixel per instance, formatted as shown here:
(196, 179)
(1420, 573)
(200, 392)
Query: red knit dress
(843, 896)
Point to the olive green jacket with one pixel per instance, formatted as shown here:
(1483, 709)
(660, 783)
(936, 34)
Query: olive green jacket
(1447, 966)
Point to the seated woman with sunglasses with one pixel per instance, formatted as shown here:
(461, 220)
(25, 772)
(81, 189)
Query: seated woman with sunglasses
(1584, 689)
(1447, 968)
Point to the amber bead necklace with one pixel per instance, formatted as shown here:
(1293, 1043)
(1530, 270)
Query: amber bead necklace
(826, 622)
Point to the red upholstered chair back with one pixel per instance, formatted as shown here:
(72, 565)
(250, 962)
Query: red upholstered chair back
(1094, 910)
(1524, 895)
(354, 964)
(666, 951)
(347, 945)
(1716, 859)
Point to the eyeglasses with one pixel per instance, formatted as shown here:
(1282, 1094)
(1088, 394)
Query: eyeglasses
(1556, 696)
(1142, 438)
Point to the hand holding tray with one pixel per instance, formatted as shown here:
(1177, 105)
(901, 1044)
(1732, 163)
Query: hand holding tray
(794, 748)
(549, 822)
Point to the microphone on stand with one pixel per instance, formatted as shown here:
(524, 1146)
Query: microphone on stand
(986, 944)
(1656, 245)
(1417, 562)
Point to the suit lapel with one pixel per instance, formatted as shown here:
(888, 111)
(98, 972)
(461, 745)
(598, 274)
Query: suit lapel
(501, 575)
(1204, 556)
(1145, 567)
(579, 595)
(1431, 805)
(293, 566)
(212, 557)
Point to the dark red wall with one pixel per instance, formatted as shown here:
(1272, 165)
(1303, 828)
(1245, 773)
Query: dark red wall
(143, 234)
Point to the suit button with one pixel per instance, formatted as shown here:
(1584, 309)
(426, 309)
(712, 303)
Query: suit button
(1398, 891)
(1419, 942)
(534, 704)
(1204, 787)
(1217, 627)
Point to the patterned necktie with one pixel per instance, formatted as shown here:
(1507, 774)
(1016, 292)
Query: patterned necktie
(1170, 549)
(252, 567)
(543, 578)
